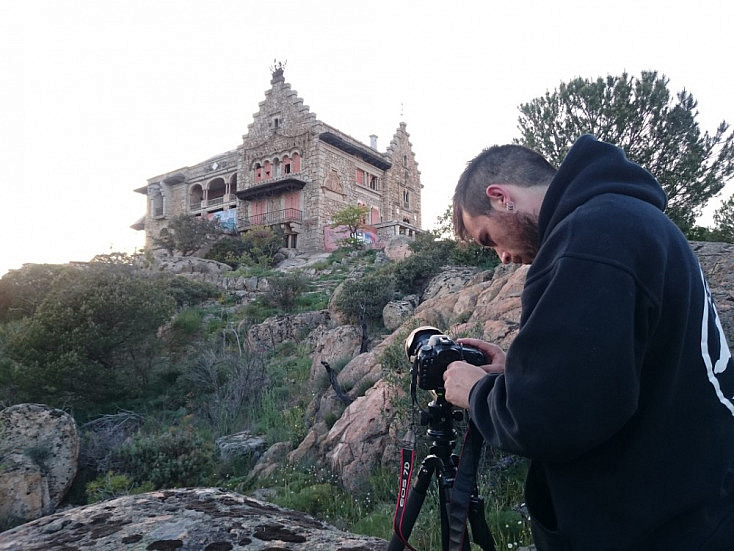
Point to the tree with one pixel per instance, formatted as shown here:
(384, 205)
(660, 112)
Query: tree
(724, 219)
(187, 234)
(92, 336)
(22, 290)
(353, 217)
(638, 115)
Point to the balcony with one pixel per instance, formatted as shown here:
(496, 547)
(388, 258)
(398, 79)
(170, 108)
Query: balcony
(273, 218)
(227, 198)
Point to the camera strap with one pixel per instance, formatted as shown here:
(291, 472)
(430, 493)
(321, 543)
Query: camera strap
(407, 462)
(464, 486)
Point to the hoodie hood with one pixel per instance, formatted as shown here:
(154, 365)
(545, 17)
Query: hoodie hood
(593, 168)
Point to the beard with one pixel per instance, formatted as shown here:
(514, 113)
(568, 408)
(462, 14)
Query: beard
(525, 240)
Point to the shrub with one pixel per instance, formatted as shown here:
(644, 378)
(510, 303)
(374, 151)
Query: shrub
(187, 234)
(174, 459)
(362, 300)
(186, 291)
(224, 385)
(229, 250)
(284, 290)
(111, 485)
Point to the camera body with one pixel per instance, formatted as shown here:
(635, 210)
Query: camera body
(431, 352)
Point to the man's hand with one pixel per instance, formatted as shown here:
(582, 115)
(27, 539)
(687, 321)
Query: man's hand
(460, 377)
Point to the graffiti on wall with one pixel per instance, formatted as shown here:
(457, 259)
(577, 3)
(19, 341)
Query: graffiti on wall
(333, 237)
(227, 219)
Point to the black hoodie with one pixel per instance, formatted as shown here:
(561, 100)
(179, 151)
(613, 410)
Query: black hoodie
(619, 385)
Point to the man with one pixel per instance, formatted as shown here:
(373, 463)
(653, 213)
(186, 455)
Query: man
(619, 385)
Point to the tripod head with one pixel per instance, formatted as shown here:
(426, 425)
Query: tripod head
(440, 417)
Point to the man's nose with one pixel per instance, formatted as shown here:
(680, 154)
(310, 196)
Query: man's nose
(505, 256)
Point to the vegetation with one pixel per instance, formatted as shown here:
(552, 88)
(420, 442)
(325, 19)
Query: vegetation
(353, 217)
(639, 115)
(187, 234)
(256, 247)
(155, 368)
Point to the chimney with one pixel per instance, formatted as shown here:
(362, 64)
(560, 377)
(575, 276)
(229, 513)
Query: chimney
(373, 142)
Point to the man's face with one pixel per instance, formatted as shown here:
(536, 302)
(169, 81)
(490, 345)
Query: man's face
(513, 235)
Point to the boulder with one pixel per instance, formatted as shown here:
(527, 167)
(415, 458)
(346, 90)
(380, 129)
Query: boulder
(398, 248)
(450, 280)
(333, 345)
(240, 445)
(39, 451)
(361, 437)
(190, 265)
(396, 312)
(200, 519)
(278, 329)
(273, 458)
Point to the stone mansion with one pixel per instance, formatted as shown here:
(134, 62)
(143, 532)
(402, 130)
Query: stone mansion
(294, 172)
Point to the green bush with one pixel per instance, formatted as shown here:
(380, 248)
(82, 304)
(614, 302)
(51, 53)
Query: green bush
(91, 339)
(363, 299)
(229, 250)
(187, 323)
(111, 485)
(285, 289)
(186, 291)
(176, 458)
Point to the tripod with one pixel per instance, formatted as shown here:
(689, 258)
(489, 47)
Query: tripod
(442, 462)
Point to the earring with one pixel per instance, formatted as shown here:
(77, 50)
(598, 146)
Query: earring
(509, 206)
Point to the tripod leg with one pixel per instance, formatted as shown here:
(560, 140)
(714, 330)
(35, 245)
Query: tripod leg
(415, 502)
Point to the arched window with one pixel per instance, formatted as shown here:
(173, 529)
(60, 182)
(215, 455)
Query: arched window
(286, 165)
(267, 171)
(233, 184)
(296, 163)
(258, 172)
(196, 196)
(215, 194)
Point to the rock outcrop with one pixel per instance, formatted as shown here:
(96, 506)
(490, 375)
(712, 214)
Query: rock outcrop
(201, 519)
(39, 453)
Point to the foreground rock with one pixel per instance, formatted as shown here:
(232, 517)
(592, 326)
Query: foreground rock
(202, 519)
(39, 451)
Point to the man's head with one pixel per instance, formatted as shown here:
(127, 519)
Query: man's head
(497, 200)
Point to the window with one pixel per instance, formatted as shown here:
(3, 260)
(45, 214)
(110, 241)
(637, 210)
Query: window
(374, 215)
(364, 178)
(157, 204)
(406, 198)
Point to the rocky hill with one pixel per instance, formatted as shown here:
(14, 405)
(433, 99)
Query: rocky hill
(458, 301)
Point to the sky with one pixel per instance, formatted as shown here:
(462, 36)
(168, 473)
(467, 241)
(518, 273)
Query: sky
(98, 96)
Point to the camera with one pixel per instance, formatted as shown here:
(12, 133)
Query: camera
(430, 353)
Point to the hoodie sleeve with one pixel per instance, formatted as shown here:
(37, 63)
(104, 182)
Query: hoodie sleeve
(571, 376)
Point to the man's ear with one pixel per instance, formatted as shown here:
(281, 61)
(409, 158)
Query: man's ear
(498, 196)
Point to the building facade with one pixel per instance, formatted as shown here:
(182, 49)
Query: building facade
(293, 172)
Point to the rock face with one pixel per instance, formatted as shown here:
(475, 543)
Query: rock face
(39, 451)
(202, 519)
(278, 329)
(190, 265)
